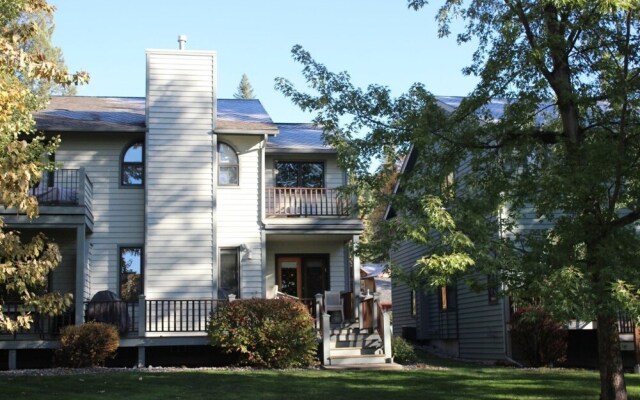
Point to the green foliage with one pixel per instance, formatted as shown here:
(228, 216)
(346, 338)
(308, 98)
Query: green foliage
(87, 345)
(546, 191)
(245, 90)
(30, 68)
(267, 333)
(541, 339)
(403, 351)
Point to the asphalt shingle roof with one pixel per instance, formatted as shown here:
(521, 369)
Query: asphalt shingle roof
(127, 114)
(298, 138)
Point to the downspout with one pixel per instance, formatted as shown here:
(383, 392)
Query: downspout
(263, 235)
(505, 308)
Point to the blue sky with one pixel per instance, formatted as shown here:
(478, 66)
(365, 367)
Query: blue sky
(376, 41)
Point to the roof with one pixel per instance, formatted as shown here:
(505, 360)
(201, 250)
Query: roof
(127, 114)
(298, 138)
(90, 114)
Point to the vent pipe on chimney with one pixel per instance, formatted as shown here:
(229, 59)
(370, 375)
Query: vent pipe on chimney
(182, 41)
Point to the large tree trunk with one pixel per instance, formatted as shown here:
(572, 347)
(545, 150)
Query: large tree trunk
(612, 385)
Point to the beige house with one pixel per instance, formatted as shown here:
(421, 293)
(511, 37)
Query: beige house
(175, 201)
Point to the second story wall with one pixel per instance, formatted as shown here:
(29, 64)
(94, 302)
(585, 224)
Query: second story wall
(238, 212)
(118, 211)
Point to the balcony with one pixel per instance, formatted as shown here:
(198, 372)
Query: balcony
(65, 196)
(307, 202)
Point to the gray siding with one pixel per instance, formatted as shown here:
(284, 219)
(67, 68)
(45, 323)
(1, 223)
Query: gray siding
(481, 327)
(404, 256)
(239, 213)
(118, 211)
(180, 244)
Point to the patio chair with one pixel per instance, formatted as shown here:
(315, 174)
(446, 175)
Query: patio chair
(333, 302)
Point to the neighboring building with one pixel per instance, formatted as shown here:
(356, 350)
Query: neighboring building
(473, 324)
(179, 199)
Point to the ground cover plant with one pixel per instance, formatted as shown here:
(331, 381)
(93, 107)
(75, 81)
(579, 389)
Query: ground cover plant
(436, 379)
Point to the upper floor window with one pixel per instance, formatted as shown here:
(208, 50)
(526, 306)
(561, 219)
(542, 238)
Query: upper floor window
(228, 165)
(299, 174)
(132, 168)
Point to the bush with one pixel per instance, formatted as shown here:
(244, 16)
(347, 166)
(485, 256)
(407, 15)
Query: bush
(275, 333)
(541, 339)
(87, 345)
(403, 351)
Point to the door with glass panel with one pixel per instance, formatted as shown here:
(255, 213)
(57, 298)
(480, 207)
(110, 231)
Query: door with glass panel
(303, 276)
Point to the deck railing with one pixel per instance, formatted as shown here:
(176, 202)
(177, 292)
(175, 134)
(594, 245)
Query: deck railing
(43, 326)
(179, 315)
(625, 323)
(305, 202)
(64, 187)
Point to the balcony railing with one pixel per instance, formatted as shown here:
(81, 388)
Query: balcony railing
(43, 326)
(306, 202)
(64, 187)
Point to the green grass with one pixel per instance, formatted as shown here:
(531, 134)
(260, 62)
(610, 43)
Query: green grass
(459, 381)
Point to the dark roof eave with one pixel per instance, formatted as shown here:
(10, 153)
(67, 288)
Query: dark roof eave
(299, 151)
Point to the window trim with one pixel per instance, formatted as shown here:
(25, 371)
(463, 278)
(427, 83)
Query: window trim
(413, 303)
(298, 161)
(447, 298)
(122, 164)
(237, 252)
(142, 278)
(227, 165)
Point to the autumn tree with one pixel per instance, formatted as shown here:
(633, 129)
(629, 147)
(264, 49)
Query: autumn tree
(27, 72)
(560, 148)
(245, 90)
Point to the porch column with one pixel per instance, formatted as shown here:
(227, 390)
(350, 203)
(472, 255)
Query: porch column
(81, 263)
(356, 279)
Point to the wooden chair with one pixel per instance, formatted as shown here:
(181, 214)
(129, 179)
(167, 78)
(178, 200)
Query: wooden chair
(333, 302)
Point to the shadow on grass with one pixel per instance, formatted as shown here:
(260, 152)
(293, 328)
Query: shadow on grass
(471, 382)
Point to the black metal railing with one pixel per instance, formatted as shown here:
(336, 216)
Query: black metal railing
(58, 187)
(43, 326)
(179, 315)
(625, 323)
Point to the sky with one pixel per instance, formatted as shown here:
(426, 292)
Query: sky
(376, 41)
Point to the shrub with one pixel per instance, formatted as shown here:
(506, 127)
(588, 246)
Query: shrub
(87, 345)
(275, 333)
(541, 339)
(403, 351)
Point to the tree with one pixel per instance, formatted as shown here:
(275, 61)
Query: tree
(564, 148)
(245, 90)
(25, 68)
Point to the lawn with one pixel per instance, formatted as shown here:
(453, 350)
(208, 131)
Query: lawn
(457, 381)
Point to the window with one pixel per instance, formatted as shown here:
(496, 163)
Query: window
(447, 298)
(132, 169)
(299, 174)
(493, 287)
(229, 281)
(131, 273)
(228, 166)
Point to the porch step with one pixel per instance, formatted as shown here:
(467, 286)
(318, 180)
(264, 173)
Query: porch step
(355, 351)
(358, 360)
(355, 341)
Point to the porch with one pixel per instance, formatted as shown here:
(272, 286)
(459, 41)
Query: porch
(171, 322)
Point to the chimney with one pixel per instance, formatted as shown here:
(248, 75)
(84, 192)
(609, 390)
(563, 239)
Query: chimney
(182, 41)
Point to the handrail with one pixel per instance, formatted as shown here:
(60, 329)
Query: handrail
(305, 202)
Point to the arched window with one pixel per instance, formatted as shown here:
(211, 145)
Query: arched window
(228, 165)
(132, 168)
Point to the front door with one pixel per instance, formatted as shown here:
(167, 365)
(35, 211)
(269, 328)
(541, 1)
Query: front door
(303, 276)
(290, 275)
